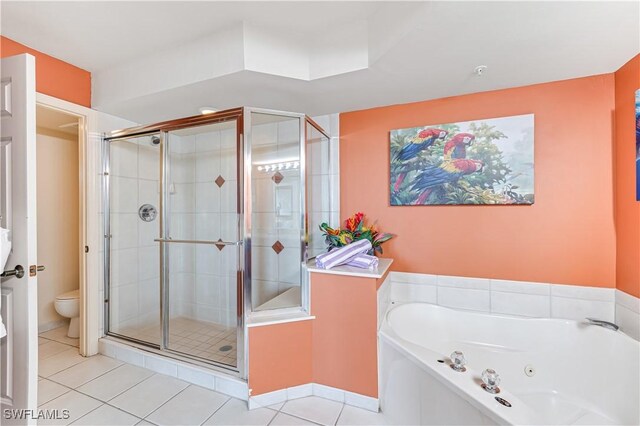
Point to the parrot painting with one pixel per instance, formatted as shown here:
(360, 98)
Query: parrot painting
(449, 171)
(423, 140)
(456, 147)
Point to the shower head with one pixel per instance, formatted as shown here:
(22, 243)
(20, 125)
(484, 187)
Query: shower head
(155, 140)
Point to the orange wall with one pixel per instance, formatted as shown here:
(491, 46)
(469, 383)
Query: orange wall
(53, 76)
(345, 339)
(627, 210)
(279, 356)
(337, 348)
(566, 237)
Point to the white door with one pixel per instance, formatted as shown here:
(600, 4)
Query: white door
(19, 349)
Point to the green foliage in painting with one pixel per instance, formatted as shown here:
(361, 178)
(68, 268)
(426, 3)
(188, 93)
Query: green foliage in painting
(431, 177)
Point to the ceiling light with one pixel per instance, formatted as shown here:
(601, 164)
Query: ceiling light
(207, 110)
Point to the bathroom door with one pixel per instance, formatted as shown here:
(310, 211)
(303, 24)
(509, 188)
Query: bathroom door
(19, 348)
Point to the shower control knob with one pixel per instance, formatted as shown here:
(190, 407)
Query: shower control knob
(458, 361)
(490, 381)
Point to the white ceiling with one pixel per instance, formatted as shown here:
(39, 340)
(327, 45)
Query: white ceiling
(159, 60)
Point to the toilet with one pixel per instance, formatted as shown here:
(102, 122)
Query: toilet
(67, 305)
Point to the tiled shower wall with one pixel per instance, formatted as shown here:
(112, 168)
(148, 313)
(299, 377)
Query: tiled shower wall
(203, 187)
(135, 275)
(323, 186)
(276, 233)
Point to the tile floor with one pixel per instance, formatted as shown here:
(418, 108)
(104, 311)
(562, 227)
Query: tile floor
(198, 338)
(104, 391)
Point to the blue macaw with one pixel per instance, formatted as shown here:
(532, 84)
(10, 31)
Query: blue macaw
(422, 140)
(449, 171)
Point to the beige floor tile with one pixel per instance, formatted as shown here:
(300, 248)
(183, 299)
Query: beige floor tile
(85, 371)
(76, 403)
(109, 416)
(116, 381)
(283, 419)
(50, 348)
(357, 416)
(48, 390)
(235, 412)
(315, 409)
(190, 407)
(59, 362)
(60, 335)
(147, 396)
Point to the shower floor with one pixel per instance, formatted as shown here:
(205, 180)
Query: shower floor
(193, 337)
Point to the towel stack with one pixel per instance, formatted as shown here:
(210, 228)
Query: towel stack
(354, 254)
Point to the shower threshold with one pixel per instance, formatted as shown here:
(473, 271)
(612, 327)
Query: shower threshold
(171, 364)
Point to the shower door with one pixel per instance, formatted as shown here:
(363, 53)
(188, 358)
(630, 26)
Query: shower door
(173, 238)
(202, 242)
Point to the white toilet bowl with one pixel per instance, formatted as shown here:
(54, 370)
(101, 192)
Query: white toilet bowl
(68, 306)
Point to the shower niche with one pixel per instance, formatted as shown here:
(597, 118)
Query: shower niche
(208, 222)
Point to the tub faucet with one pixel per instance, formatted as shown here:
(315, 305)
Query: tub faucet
(458, 361)
(490, 381)
(602, 323)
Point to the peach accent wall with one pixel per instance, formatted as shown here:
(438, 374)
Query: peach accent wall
(279, 356)
(345, 344)
(627, 209)
(339, 348)
(53, 76)
(566, 237)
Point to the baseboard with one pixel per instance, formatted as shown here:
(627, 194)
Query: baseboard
(51, 325)
(315, 389)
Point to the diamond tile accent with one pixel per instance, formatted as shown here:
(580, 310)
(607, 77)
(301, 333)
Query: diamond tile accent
(219, 181)
(220, 246)
(277, 177)
(277, 247)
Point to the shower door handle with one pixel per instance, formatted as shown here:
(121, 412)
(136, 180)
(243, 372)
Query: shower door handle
(213, 243)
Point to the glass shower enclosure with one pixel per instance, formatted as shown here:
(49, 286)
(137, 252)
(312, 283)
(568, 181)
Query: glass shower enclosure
(206, 223)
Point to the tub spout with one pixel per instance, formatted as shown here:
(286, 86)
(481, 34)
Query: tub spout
(458, 362)
(602, 323)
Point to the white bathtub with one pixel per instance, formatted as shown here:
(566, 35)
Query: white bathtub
(584, 374)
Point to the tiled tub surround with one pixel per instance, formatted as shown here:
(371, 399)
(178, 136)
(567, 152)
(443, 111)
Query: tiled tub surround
(628, 313)
(536, 300)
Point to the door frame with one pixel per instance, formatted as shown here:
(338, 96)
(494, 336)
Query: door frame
(89, 226)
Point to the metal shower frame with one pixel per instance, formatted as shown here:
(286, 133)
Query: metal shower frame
(243, 118)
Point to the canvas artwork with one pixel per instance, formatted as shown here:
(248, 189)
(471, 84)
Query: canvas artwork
(638, 145)
(478, 162)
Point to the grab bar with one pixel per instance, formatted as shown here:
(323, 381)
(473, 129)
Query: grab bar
(213, 243)
(602, 323)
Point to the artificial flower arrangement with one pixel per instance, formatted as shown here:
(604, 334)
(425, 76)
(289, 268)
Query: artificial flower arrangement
(355, 229)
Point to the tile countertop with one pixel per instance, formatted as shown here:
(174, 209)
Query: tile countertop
(379, 272)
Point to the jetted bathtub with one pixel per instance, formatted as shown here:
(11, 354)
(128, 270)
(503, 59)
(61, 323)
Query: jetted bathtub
(552, 371)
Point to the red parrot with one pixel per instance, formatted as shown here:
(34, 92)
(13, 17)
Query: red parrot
(456, 147)
(421, 141)
(449, 171)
